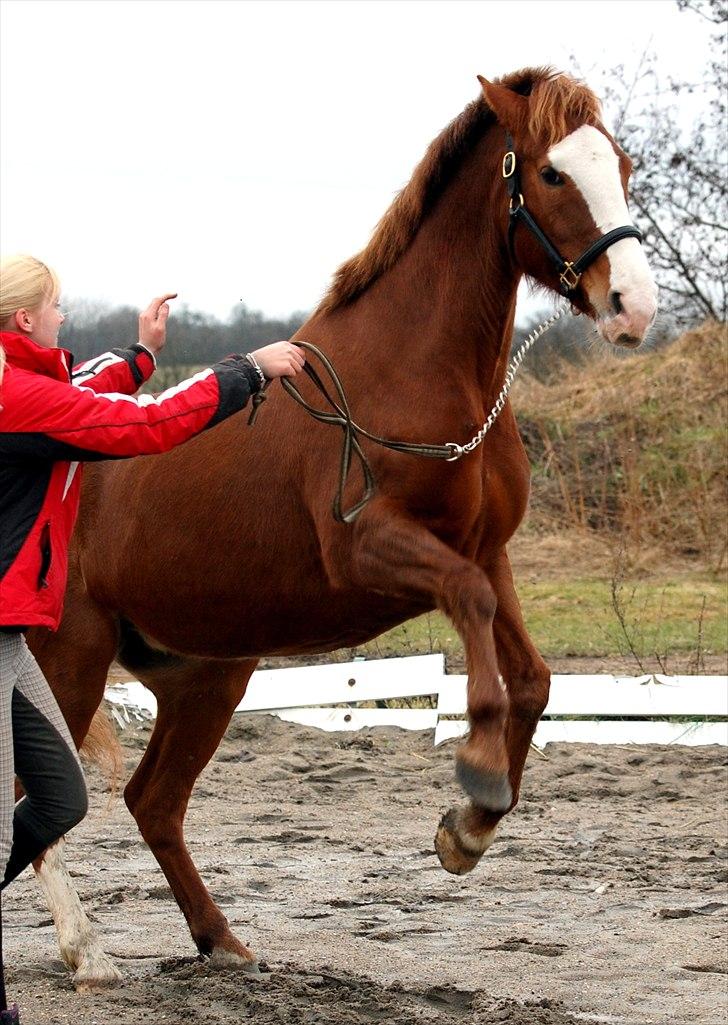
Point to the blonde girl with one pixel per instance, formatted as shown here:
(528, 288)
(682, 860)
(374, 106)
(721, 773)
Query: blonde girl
(53, 418)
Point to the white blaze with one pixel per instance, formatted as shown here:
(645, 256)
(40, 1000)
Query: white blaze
(589, 159)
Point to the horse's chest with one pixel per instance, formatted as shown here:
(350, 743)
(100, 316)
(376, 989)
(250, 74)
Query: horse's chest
(483, 508)
(503, 495)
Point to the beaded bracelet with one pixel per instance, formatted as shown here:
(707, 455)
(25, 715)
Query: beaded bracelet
(256, 367)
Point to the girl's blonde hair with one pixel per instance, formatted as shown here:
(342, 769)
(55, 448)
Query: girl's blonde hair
(25, 283)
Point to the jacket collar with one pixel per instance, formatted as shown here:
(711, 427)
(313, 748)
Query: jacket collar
(25, 354)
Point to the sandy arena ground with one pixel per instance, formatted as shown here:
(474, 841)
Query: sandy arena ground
(604, 900)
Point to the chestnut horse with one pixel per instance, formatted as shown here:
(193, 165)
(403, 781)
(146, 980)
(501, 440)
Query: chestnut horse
(190, 566)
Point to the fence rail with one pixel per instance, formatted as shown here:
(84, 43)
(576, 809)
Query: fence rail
(582, 709)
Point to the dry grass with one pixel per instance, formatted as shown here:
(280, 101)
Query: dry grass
(635, 449)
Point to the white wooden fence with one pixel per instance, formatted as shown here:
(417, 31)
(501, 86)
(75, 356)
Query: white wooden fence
(612, 709)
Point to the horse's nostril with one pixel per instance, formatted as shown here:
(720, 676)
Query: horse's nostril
(616, 300)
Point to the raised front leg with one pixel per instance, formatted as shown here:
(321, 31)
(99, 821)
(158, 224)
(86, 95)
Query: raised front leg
(195, 705)
(526, 677)
(395, 556)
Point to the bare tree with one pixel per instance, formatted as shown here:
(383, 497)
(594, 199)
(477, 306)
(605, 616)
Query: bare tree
(680, 182)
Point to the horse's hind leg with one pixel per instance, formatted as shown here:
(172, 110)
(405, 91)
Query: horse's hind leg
(75, 661)
(195, 702)
(78, 940)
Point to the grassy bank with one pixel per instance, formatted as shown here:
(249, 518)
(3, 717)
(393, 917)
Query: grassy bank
(635, 448)
(653, 625)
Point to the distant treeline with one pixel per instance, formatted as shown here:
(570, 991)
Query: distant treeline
(196, 339)
(193, 338)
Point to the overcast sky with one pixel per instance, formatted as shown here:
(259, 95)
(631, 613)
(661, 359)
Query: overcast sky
(242, 150)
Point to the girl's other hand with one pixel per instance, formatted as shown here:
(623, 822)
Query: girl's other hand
(153, 323)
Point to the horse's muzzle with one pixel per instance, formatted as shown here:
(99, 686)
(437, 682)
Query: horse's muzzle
(628, 328)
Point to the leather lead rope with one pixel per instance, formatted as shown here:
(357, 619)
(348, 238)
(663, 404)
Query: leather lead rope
(341, 417)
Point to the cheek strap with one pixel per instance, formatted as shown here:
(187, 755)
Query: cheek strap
(569, 272)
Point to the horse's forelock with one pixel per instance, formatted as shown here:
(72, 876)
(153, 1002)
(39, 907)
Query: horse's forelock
(557, 103)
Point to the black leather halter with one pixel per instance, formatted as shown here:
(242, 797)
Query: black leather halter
(569, 272)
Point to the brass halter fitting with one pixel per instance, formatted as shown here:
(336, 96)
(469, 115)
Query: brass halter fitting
(509, 164)
(569, 278)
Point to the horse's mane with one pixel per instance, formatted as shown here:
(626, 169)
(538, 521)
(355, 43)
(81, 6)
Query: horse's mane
(556, 100)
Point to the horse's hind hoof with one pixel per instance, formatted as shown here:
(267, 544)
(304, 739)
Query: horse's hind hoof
(95, 971)
(459, 852)
(489, 790)
(221, 958)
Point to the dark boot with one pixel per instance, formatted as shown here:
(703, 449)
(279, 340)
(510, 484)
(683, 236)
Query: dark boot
(10, 1016)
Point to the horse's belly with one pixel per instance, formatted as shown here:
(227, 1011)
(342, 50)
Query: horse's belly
(250, 580)
(300, 622)
(263, 591)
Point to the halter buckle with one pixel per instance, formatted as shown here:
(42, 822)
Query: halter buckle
(569, 278)
(509, 164)
(514, 209)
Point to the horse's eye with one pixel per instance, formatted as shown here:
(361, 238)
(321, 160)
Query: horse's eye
(550, 176)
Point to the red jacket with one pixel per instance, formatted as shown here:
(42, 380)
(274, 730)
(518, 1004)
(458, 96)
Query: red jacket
(52, 418)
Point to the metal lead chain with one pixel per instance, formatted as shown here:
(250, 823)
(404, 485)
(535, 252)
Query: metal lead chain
(470, 446)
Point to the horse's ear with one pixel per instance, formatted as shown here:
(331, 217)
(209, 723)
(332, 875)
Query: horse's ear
(509, 107)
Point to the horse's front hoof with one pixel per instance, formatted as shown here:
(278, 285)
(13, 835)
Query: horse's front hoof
(459, 851)
(452, 856)
(488, 790)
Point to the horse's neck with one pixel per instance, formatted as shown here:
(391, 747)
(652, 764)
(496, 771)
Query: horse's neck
(449, 300)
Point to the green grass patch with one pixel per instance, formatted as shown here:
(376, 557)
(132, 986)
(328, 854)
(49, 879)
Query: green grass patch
(577, 617)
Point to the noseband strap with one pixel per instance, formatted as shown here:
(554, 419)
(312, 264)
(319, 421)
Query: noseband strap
(569, 271)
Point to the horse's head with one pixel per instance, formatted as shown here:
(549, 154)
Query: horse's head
(565, 179)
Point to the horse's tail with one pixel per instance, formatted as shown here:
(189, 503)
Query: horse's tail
(102, 748)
